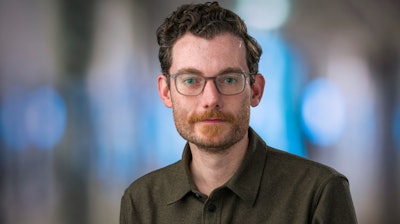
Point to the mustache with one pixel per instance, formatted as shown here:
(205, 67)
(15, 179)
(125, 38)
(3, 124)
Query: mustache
(214, 114)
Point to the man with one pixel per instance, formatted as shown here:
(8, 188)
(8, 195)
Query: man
(227, 173)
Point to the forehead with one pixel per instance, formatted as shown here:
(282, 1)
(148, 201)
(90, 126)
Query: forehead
(209, 55)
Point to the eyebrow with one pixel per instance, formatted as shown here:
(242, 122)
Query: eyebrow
(195, 71)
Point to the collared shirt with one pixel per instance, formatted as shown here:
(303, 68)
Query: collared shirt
(270, 186)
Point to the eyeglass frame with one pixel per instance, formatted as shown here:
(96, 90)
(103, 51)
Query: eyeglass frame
(245, 75)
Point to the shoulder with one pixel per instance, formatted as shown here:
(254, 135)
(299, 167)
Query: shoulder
(146, 194)
(311, 188)
(279, 162)
(296, 166)
(154, 180)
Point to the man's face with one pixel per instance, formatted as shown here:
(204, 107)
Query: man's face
(211, 121)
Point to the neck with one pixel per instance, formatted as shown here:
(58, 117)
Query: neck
(211, 170)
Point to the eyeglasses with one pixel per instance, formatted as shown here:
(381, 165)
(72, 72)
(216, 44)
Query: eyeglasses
(193, 84)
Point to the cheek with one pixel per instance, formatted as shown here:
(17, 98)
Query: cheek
(240, 107)
(245, 101)
(180, 109)
(245, 105)
(244, 109)
(182, 104)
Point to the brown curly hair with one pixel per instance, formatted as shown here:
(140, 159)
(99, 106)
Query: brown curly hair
(207, 21)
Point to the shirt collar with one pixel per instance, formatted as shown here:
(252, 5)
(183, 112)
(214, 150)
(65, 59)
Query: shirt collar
(243, 184)
(182, 179)
(247, 179)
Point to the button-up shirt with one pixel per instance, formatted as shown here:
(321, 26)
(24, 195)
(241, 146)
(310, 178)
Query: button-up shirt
(270, 186)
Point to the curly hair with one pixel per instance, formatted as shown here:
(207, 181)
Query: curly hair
(207, 21)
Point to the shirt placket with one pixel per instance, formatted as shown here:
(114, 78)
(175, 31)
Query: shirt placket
(212, 210)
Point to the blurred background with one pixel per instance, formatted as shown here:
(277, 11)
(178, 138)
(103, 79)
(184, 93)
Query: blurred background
(80, 117)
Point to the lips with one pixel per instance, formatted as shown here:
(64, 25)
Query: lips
(213, 120)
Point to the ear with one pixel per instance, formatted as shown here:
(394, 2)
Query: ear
(164, 91)
(257, 90)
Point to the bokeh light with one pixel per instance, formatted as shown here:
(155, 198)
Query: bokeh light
(264, 14)
(396, 127)
(45, 118)
(35, 119)
(274, 119)
(323, 112)
(13, 109)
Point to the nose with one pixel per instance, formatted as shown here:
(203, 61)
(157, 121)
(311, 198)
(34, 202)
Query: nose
(210, 98)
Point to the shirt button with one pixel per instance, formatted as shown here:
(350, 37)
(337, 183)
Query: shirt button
(212, 208)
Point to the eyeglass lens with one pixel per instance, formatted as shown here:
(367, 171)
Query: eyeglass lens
(193, 84)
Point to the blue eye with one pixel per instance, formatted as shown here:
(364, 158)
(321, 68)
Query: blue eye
(189, 81)
(230, 80)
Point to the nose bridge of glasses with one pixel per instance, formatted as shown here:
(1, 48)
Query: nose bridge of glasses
(213, 81)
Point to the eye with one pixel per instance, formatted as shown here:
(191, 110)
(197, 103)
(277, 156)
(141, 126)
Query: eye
(230, 80)
(190, 79)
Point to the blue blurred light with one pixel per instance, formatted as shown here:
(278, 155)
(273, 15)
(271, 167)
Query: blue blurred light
(32, 119)
(46, 118)
(264, 14)
(275, 117)
(12, 125)
(114, 127)
(169, 143)
(323, 112)
(396, 127)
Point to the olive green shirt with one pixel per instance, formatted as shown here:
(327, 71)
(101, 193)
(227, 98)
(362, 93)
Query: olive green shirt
(270, 186)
